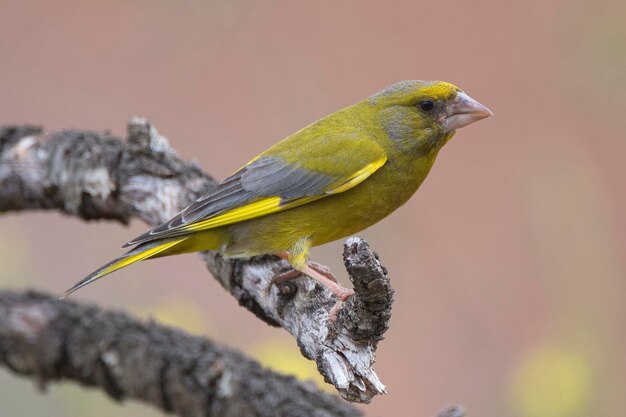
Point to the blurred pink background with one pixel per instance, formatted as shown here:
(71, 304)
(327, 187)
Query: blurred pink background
(508, 264)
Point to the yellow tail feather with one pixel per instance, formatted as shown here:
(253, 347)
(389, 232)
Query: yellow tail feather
(140, 253)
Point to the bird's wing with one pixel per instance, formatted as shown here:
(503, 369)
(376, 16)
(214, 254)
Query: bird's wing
(279, 179)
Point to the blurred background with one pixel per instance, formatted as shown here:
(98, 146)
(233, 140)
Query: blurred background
(509, 263)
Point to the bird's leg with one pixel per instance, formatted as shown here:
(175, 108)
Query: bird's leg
(322, 277)
(317, 272)
(323, 269)
(341, 292)
(286, 276)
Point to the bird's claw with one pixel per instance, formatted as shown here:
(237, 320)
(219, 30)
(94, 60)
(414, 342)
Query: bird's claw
(322, 275)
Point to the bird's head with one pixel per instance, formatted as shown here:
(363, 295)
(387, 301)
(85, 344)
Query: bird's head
(419, 116)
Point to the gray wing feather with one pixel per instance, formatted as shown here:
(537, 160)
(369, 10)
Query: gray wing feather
(267, 176)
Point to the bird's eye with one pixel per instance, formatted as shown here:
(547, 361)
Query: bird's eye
(427, 105)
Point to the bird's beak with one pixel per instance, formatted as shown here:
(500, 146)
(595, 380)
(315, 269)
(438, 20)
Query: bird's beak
(462, 111)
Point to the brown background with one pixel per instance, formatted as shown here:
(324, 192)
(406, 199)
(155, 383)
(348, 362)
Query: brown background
(509, 263)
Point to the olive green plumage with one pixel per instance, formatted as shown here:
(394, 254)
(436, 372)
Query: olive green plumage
(329, 180)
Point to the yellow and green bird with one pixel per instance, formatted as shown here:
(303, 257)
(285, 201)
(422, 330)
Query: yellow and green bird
(331, 179)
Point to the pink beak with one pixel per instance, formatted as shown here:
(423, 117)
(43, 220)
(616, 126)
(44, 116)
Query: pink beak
(462, 111)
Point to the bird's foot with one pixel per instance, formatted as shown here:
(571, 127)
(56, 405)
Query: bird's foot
(322, 269)
(286, 276)
(334, 312)
(323, 276)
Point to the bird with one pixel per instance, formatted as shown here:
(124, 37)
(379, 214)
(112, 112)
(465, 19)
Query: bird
(331, 179)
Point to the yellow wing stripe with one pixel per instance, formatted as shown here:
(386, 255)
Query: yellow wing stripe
(273, 204)
(121, 262)
(359, 176)
(261, 207)
(136, 258)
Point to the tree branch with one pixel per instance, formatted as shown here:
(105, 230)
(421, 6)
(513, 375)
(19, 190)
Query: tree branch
(190, 376)
(97, 176)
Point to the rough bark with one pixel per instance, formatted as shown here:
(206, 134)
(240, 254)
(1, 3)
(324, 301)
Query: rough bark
(190, 376)
(48, 340)
(97, 176)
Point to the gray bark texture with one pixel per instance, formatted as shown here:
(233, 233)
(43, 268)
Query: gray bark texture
(47, 339)
(50, 340)
(97, 176)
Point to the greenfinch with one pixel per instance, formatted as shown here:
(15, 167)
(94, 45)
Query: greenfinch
(329, 180)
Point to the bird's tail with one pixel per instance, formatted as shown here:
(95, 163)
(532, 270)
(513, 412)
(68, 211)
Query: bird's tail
(140, 253)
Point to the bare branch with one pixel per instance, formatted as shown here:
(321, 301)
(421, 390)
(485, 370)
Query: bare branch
(49, 340)
(97, 176)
